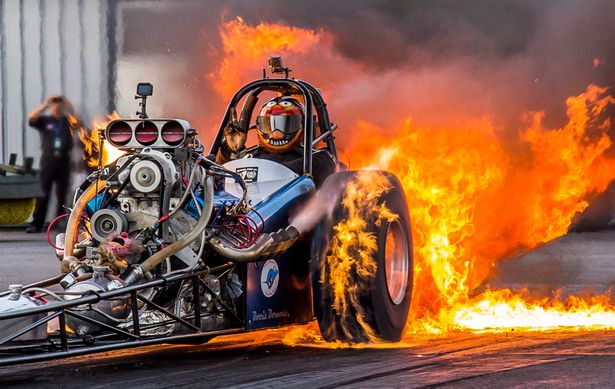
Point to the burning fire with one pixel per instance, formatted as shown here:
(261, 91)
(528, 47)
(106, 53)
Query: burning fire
(476, 195)
(474, 200)
(493, 308)
(248, 45)
(91, 140)
(353, 246)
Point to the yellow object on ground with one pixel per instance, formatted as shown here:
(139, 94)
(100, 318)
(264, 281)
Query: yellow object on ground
(15, 211)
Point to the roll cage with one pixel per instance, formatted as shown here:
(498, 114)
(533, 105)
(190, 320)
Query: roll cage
(314, 104)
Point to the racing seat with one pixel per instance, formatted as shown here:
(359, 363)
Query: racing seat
(262, 177)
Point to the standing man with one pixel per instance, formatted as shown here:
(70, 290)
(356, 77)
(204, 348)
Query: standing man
(56, 145)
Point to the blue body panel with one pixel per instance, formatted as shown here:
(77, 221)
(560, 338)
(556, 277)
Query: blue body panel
(94, 204)
(221, 199)
(271, 303)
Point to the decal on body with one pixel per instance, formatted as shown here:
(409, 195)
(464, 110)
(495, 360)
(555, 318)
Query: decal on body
(270, 277)
(249, 174)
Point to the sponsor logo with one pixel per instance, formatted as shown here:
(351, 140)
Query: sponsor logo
(270, 277)
(249, 174)
(269, 314)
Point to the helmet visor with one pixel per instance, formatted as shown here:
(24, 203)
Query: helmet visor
(288, 124)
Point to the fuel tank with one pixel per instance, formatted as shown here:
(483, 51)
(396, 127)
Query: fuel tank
(106, 311)
(15, 301)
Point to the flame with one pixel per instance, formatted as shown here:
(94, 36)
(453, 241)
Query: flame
(476, 193)
(353, 246)
(90, 138)
(473, 201)
(245, 45)
(521, 312)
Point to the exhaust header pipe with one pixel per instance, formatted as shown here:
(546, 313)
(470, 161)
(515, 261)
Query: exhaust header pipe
(267, 245)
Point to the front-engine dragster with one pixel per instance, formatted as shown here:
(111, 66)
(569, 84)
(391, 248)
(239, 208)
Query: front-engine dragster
(166, 245)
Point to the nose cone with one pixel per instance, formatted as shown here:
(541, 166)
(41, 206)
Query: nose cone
(277, 110)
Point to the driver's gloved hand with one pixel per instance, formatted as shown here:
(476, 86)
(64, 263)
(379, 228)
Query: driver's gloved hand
(235, 138)
(233, 143)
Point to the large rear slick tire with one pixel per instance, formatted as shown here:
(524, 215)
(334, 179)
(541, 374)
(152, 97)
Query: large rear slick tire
(362, 278)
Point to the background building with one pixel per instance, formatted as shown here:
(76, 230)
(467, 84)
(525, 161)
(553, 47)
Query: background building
(53, 47)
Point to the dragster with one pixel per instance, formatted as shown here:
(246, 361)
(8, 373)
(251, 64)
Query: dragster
(164, 245)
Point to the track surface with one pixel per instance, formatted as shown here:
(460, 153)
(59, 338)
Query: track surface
(260, 359)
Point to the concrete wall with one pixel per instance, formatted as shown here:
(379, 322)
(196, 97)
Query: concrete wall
(52, 47)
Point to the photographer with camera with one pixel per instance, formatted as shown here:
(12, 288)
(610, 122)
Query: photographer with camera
(56, 145)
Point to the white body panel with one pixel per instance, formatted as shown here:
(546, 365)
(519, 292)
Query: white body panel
(263, 177)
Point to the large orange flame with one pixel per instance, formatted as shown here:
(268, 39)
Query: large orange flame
(90, 138)
(243, 44)
(476, 193)
(472, 202)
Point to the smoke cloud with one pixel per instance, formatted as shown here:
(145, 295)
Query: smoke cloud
(441, 64)
(437, 62)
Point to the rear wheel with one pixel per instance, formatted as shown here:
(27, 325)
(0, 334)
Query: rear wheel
(362, 279)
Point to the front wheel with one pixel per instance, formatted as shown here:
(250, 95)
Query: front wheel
(362, 259)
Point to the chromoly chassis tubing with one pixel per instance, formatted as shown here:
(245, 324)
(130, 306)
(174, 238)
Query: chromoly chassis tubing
(98, 323)
(29, 328)
(308, 91)
(169, 314)
(48, 348)
(324, 135)
(134, 306)
(196, 296)
(63, 334)
(94, 298)
(221, 302)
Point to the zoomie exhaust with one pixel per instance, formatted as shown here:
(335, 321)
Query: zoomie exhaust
(267, 245)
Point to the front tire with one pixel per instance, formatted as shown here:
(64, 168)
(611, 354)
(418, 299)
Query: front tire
(375, 300)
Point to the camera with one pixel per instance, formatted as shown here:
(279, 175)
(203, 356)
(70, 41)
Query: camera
(145, 89)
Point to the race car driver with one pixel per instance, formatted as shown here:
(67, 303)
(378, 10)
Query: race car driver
(280, 132)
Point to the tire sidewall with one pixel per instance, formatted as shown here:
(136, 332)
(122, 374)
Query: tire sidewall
(386, 318)
(389, 318)
(321, 296)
